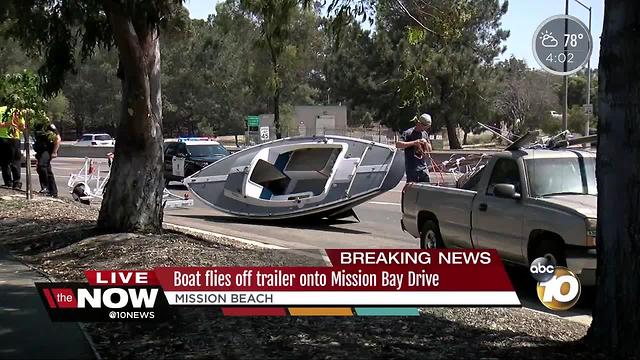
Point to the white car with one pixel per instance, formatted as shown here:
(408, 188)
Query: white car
(95, 140)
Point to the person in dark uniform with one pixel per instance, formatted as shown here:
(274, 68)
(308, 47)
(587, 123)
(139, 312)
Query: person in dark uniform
(47, 142)
(11, 126)
(415, 143)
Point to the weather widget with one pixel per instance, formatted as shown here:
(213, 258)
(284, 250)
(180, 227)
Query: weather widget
(562, 44)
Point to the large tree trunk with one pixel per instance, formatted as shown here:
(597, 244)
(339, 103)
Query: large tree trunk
(133, 197)
(454, 143)
(616, 315)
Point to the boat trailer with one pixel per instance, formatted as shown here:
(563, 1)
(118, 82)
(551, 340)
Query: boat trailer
(90, 181)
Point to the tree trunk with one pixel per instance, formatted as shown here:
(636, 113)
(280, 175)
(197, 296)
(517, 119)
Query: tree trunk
(276, 113)
(454, 143)
(278, 87)
(616, 315)
(133, 197)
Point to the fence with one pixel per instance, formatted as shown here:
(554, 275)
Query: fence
(382, 135)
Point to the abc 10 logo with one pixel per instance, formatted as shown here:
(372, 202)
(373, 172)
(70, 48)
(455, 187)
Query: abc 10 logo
(558, 287)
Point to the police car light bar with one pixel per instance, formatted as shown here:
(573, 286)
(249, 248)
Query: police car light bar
(194, 139)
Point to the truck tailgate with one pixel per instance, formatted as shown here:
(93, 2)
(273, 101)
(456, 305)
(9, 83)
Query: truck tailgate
(450, 206)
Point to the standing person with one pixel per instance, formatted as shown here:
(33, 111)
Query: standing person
(413, 139)
(4, 147)
(11, 126)
(47, 142)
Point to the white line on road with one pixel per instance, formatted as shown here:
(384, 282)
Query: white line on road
(382, 203)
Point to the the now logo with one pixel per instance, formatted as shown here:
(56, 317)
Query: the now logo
(117, 298)
(561, 291)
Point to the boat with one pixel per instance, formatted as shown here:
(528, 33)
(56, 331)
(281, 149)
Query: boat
(318, 176)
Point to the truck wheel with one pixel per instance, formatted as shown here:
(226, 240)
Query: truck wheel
(430, 237)
(549, 247)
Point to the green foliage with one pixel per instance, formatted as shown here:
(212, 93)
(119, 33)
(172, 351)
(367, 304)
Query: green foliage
(577, 119)
(449, 44)
(58, 109)
(550, 126)
(22, 91)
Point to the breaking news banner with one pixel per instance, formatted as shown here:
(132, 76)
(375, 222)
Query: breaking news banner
(356, 278)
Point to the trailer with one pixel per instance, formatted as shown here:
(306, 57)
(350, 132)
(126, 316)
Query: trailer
(89, 182)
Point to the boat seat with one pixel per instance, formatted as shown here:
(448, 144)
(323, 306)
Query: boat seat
(301, 195)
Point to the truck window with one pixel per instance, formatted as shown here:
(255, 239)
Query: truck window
(505, 172)
(473, 181)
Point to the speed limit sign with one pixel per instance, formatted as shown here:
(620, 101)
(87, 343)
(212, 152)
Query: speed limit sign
(264, 133)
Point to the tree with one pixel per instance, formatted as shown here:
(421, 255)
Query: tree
(275, 19)
(94, 93)
(524, 99)
(133, 197)
(616, 315)
(58, 111)
(21, 91)
(450, 44)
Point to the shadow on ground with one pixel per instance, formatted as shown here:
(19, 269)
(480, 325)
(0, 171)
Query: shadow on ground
(27, 333)
(301, 223)
(28, 237)
(201, 333)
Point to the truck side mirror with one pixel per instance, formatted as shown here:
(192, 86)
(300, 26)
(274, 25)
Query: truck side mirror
(505, 191)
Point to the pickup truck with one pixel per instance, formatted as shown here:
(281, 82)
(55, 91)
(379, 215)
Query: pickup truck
(525, 203)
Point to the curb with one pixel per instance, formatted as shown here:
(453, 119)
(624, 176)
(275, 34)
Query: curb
(207, 235)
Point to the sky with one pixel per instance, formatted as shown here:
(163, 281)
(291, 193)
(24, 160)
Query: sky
(522, 19)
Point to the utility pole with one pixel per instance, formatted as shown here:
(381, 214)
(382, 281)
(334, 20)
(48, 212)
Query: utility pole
(27, 142)
(565, 110)
(586, 129)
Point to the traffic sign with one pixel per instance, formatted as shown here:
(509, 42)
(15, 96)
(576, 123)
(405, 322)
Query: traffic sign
(253, 120)
(588, 109)
(264, 133)
(562, 52)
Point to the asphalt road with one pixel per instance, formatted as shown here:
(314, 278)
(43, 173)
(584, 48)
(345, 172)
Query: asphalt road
(379, 227)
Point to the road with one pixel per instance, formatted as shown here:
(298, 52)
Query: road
(379, 227)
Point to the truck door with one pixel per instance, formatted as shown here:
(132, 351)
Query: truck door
(496, 222)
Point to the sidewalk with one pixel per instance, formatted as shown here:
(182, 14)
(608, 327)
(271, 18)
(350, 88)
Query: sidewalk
(25, 329)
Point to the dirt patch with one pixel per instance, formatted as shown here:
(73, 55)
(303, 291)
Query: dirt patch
(58, 238)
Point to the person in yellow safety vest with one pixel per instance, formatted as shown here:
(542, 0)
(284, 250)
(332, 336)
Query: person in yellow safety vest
(11, 126)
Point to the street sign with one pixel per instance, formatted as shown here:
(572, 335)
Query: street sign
(253, 121)
(264, 133)
(588, 109)
(562, 52)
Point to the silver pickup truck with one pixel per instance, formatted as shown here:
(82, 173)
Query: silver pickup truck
(524, 203)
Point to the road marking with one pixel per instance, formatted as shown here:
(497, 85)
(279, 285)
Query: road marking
(192, 230)
(383, 203)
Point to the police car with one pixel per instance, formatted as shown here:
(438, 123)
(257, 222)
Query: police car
(185, 156)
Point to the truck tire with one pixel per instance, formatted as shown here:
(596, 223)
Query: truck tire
(430, 237)
(553, 247)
